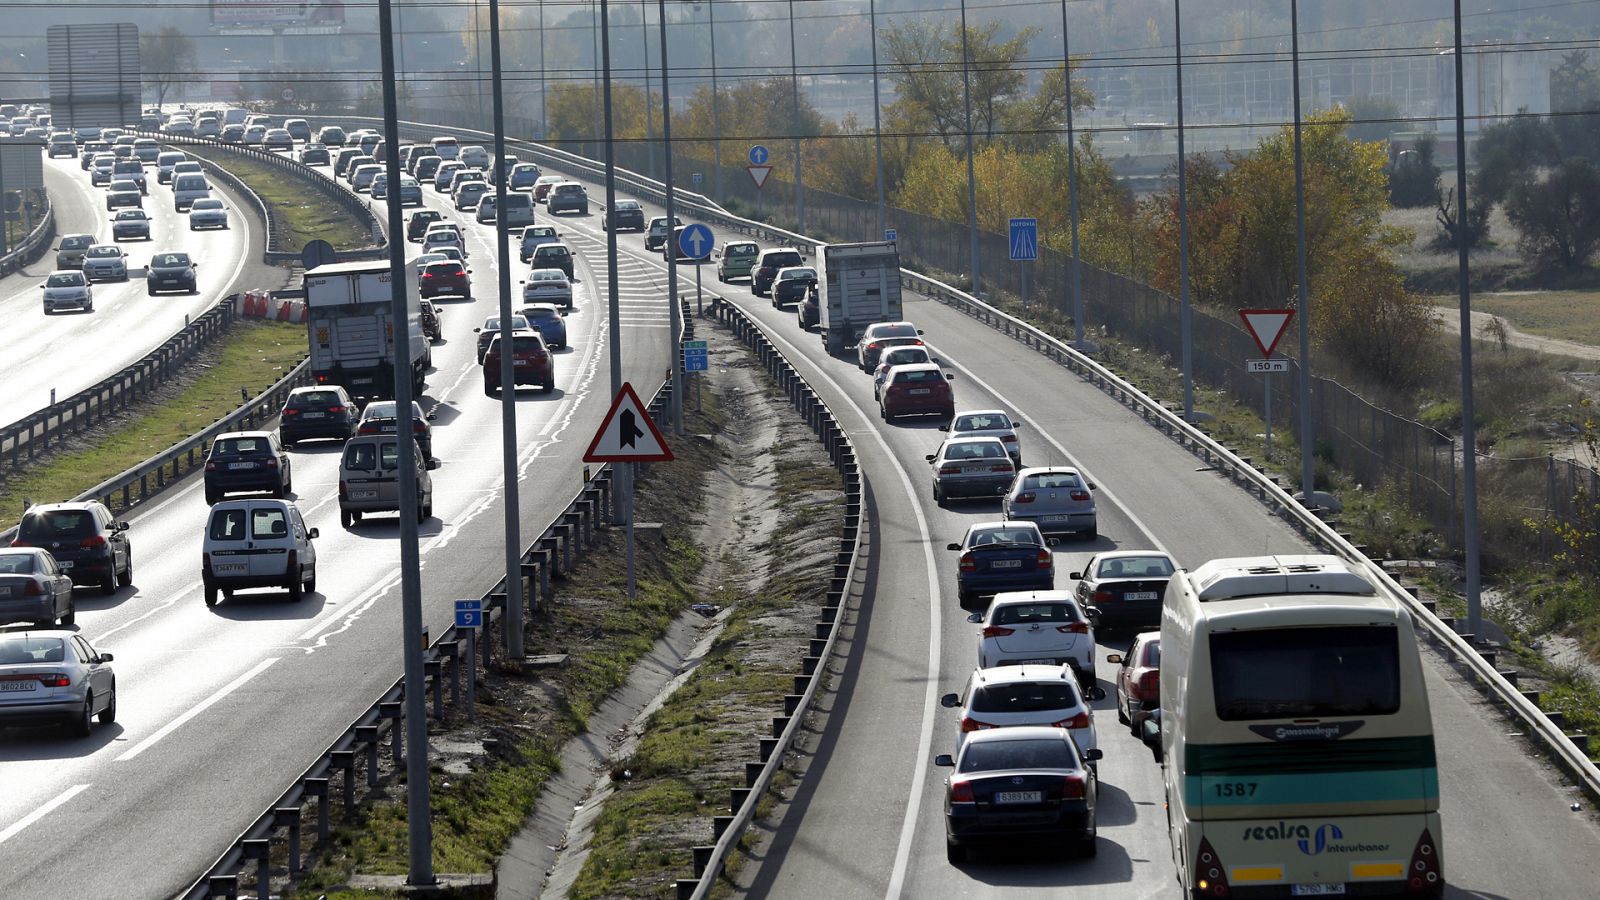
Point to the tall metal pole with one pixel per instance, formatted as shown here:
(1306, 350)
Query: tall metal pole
(1186, 314)
(794, 123)
(419, 823)
(1308, 483)
(649, 113)
(716, 110)
(621, 487)
(676, 338)
(1072, 186)
(477, 55)
(543, 119)
(972, 183)
(508, 392)
(594, 39)
(877, 121)
(1469, 429)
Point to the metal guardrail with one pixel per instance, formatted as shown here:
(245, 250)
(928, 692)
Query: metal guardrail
(30, 247)
(34, 432)
(154, 475)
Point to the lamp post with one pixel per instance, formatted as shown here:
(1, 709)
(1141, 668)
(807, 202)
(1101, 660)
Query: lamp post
(649, 114)
(877, 121)
(1303, 315)
(1469, 428)
(676, 312)
(716, 112)
(1186, 314)
(794, 124)
(1072, 186)
(543, 95)
(972, 189)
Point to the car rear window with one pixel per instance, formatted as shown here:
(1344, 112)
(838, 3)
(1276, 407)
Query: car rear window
(1024, 696)
(243, 446)
(65, 523)
(780, 260)
(980, 422)
(526, 344)
(552, 251)
(1135, 567)
(1053, 480)
(533, 314)
(892, 331)
(366, 456)
(1152, 655)
(315, 398)
(1029, 613)
(743, 250)
(990, 449)
(917, 375)
(1048, 753)
(227, 525)
(1004, 536)
(905, 355)
(20, 650)
(268, 522)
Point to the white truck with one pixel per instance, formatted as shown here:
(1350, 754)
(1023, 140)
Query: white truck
(857, 285)
(351, 328)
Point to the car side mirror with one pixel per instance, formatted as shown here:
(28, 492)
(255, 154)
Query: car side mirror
(929, 457)
(950, 701)
(945, 760)
(975, 618)
(1096, 693)
(1114, 658)
(949, 376)
(944, 427)
(1076, 576)
(1092, 486)
(1093, 754)
(431, 416)
(313, 534)
(952, 546)
(477, 331)
(121, 526)
(107, 657)
(433, 463)
(1016, 424)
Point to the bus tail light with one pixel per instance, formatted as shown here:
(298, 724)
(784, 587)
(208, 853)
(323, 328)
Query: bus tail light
(1209, 878)
(1423, 876)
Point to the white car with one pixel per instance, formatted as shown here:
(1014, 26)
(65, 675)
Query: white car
(67, 289)
(995, 423)
(548, 286)
(187, 188)
(257, 543)
(1044, 628)
(178, 125)
(469, 193)
(474, 156)
(207, 213)
(363, 177)
(207, 128)
(105, 262)
(534, 235)
(443, 237)
(1008, 696)
(255, 134)
(896, 356)
(164, 163)
(446, 174)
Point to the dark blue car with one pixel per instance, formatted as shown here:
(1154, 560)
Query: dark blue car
(546, 319)
(1002, 556)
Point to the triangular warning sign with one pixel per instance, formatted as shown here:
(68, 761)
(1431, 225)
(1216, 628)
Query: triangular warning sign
(759, 174)
(627, 433)
(1266, 326)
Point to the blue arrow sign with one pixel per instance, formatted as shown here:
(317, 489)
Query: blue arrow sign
(759, 155)
(1024, 239)
(890, 234)
(469, 613)
(695, 241)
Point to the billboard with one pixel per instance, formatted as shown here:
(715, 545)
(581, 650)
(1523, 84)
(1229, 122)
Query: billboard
(276, 13)
(95, 77)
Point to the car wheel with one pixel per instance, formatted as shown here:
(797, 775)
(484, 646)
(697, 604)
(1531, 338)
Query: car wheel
(955, 854)
(71, 618)
(548, 386)
(1123, 717)
(311, 583)
(346, 518)
(127, 573)
(938, 496)
(109, 714)
(1092, 534)
(211, 497)
(296, 587)
(965, 599)
(1087, 847)
(83, 723)
(109, 585)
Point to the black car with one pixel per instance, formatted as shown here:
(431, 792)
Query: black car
(445, 279)
(317, 412)
(792, 284)
(89, 545)
(626, 214)
(383, 417)
(171, 272)
(806, 310)
(1013, 784)
(247, 461)
(768, 265)
(417, 225)
(314, 155)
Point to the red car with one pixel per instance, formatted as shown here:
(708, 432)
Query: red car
(445, 279)
(917, 389)
(1138, 679)
(530, 362)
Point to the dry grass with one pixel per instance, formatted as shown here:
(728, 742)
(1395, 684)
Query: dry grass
(1568, 315)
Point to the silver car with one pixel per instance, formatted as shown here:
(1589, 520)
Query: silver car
(970, 467)
(547, 286)
(34, 588)
(55, 677)
(207, 213)
(128, 224)
(1056, 498)
(66, 289)
(105, 262)
(369, 478)
(995, 423)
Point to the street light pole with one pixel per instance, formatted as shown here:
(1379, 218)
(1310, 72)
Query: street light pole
(972, 188)
(1186, 313)
(649, 114)
(794, 82)
(877, 121)
(1072, 187)
(676, 313)
(621, 487)
(544, 121)
(1307, 472)
(716, 112)
(594, 39)
(1469, 428)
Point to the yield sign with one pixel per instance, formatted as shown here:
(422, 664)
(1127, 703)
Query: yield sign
(1266, 326)
(759, 174)
(628, 434)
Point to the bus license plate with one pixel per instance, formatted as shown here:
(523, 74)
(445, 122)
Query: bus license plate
(1006, 564)
(1317, 890)
(1021, 797)
(1139, 595)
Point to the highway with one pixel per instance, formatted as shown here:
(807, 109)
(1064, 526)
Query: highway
(70, 351)
(221, 707)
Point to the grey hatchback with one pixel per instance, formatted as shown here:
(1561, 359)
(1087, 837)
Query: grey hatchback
(33, 589)
(1056, 498)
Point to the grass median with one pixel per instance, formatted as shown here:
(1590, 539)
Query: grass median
(250, 358)
(300, 212)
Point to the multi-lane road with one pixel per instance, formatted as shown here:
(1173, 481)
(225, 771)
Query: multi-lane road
(220, 708)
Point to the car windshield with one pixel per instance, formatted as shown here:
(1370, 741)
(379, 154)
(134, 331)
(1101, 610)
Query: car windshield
(22, 649)
(981, 422)
(1025, 696)
(241, 446)
(1042, 753)
(105, 252)
(1004, 535)
(1045, 481)
(170, 260)
(1135, 567)
(1030, 613)
(65, 279)
(77, 243)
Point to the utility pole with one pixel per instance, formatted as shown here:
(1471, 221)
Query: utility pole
(621, 488)
(972, 188)
(716, 112)
(877, 120)
(794, 82)
(676, 313)
(1186, 313)
(1072, 186)
(544, 121)
(649, 114)
(1308, 484)
(1469, 428)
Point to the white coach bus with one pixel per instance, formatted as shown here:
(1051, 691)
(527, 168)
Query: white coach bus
(1295, 732)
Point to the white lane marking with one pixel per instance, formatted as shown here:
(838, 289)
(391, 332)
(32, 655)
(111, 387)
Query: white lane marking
(159, 608)
(197, 709)
(45, 810)
(1100, 485)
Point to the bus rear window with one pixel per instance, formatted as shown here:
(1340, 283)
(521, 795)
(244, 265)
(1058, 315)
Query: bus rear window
(1303, 673)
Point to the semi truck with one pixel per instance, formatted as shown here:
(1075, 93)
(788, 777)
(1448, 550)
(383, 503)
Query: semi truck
(352, 330)
(858, 284)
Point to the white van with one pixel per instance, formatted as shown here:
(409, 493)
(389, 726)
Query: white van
(519, 210)
(446, 147)
(188, 188)
(257, 543)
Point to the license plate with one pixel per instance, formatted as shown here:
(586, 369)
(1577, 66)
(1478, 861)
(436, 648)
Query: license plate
(1139, 595)
(1020, 797)
(1056, 518)
(241, 465)
(361, 381)
(1006, 564)
(13, 686)
(363, 495)
(1036, 662)
(5, 591)
(230, 568)
(66, 565)
(915, 391)
(311, 415)
(1317, 890)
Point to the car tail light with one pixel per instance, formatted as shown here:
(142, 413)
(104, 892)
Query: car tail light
(1008, 439)
(969, 724)
(336, 409)
(1209, 878)
(426, 276)
(998, 631)
(1001, 467)
(1043, 560)
(419, 426)
(873, 345)
(949, 470)
(961, 792)
(32, 589)
(322, 378)
(1074, 628)
(1022, 498)
(89, 543)
(294, 561)
(1073, 787)
(368, 428)
(1103, 597)
(55, 679)
(21, 543)
(1080, 495)
(272, 462)
(1081, 720)
(291, 411)
(1423, 876)
(1147, 685)
(968, 563)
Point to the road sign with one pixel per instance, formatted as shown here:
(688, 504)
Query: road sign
(695, 357)
(627, 433)
(695, 241)
(1024, 239)
(890, 234)
(1266, 326)
(316, 253)
(759, 155)
(469, 613)
(759, 174)
(696, 178)
(1265, 366)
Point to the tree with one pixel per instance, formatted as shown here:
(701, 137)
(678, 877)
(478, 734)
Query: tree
(1559, 216)
(1372, 324)
(1512, 152)
(168, 57)
(1414, 176)
(1476, 226)
(1575, 106)
(925, 64)
(1373, 118)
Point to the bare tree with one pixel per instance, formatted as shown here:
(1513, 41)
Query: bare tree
(168, 57)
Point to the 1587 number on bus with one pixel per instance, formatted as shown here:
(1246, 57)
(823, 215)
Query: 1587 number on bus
(1235, 788)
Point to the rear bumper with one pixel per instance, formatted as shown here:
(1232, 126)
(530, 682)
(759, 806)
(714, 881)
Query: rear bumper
(974, 828)
(237, 582)
(992, 584)
(30, 609)
(56, 709)
(306, 430)
(941, 406)
(1129, 612)
(250, 482)
(975, 486)
(1070, 524)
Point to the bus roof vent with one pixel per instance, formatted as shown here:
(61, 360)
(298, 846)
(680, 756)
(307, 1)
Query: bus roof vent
(1266, 576)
